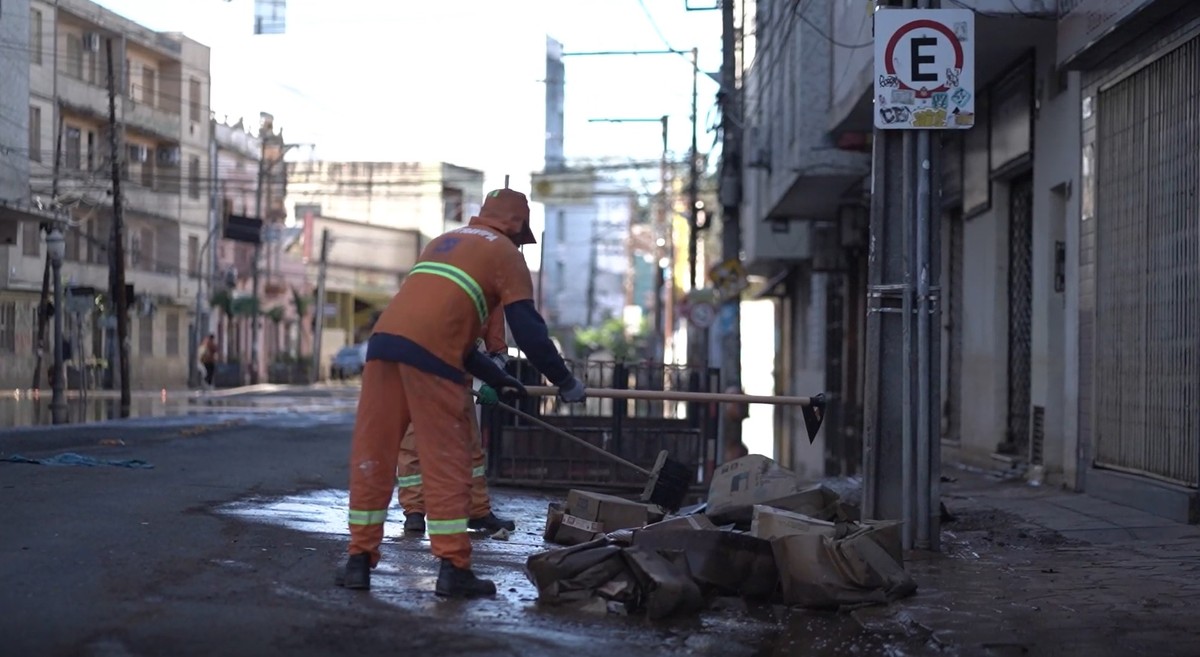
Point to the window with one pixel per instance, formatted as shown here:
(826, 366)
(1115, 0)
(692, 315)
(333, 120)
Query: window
(31, 240)
(148, 169)
(74, 63)
(194, 107)
(72, 250)
(562, 226)
(194, 256)
(35, 36)
(129, 78)
(91, 151)
(148, 85)
(173, 334)
(35, 134)
(194, 177)
(93, 244)
(71, 149)
(8, 327)
(146, 335)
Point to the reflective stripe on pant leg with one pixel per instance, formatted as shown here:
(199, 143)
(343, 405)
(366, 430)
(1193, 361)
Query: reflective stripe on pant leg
(408, 475)
(481, 503)
(375, 517)
(378, 429)
(442, 428)
(446, 527)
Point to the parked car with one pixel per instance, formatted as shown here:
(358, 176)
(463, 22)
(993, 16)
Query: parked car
(348, 362)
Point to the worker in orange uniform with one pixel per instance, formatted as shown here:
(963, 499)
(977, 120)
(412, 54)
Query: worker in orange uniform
(419, 361)
(408, 477)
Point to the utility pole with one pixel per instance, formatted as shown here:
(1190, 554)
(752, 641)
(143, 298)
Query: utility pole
(697, 356)
(116, 272)
(319, 311)
(901, 445)
(44, 304)
(258, 206)
(730, 317)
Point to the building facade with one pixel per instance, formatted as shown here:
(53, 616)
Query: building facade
(1067, 222)
(251, 181)
(380, 215)
(161, 84)
(585, 248)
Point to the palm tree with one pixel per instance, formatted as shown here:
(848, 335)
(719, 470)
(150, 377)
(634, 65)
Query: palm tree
(301, 303)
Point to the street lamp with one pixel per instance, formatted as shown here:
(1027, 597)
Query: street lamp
(56, 247)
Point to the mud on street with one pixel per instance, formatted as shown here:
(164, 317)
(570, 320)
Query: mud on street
(229, 543)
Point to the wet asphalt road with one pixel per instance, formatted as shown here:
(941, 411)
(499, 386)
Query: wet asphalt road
(229, 545)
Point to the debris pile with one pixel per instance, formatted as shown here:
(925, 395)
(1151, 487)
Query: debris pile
(762, 534)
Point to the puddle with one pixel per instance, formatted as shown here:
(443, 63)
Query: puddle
(407, 572)
(20, 408)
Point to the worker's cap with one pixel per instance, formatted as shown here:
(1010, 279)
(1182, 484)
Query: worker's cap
(511, 209)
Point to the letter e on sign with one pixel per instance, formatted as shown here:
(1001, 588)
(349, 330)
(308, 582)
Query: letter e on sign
(925, 57)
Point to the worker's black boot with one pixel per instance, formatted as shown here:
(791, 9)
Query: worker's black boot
(455, 582)
(414, 523)
(357, 573)
(490, 524)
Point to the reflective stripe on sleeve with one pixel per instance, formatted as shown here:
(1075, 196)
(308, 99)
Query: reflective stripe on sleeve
(479, 471)
(443, 527)
(368, 517)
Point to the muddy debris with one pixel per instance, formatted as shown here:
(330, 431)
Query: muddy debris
(763, 535)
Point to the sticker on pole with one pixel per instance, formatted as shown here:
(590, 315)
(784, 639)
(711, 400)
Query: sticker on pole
(924, 69)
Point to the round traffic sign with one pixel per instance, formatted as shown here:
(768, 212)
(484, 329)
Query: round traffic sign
(702, 314)
(929, 61)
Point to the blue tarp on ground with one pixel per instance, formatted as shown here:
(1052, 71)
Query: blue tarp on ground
(70, 458)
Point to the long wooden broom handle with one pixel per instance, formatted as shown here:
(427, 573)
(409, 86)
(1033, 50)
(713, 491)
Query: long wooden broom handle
(678, 395)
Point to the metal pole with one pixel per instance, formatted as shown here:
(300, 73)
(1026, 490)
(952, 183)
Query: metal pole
(319, 311)
(258, 202)
(731, 198)
(117, 257)
(693, 178)
(925, 436)
(54, 246)
(907, 456)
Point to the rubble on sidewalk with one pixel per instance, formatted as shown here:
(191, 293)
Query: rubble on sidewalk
(763, 534)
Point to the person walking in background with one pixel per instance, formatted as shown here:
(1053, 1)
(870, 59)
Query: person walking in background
(208, 359)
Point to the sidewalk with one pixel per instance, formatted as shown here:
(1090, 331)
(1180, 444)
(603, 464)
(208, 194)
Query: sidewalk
(1036, 571)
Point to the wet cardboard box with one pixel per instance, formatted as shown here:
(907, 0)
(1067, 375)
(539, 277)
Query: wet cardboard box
(740, 484)
(590, 515)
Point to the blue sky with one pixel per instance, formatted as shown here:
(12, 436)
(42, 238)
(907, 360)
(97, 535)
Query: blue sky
(454, 80)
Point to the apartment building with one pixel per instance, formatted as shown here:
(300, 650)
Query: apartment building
(1067, 278)
(380, 215)
(161, 82)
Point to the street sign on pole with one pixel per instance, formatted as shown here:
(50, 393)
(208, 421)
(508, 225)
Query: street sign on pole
(924, 69)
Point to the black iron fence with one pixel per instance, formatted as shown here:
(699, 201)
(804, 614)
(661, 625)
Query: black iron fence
(520, 453)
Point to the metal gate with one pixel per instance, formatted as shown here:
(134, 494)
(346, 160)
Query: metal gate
(1020, 312)
(1147, 352)
(521, 453)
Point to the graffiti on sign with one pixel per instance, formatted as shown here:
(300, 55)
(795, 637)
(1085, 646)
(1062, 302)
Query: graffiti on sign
(924, 69)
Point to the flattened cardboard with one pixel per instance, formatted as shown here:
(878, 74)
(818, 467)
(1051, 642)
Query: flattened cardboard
(667, 587)
(684, 523)
(573, 575)
(732, 562)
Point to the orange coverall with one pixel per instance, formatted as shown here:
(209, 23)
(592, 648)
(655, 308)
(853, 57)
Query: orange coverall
(408, 477)
(436, 317)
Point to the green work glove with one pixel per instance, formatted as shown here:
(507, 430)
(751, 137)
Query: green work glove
(488, 395)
